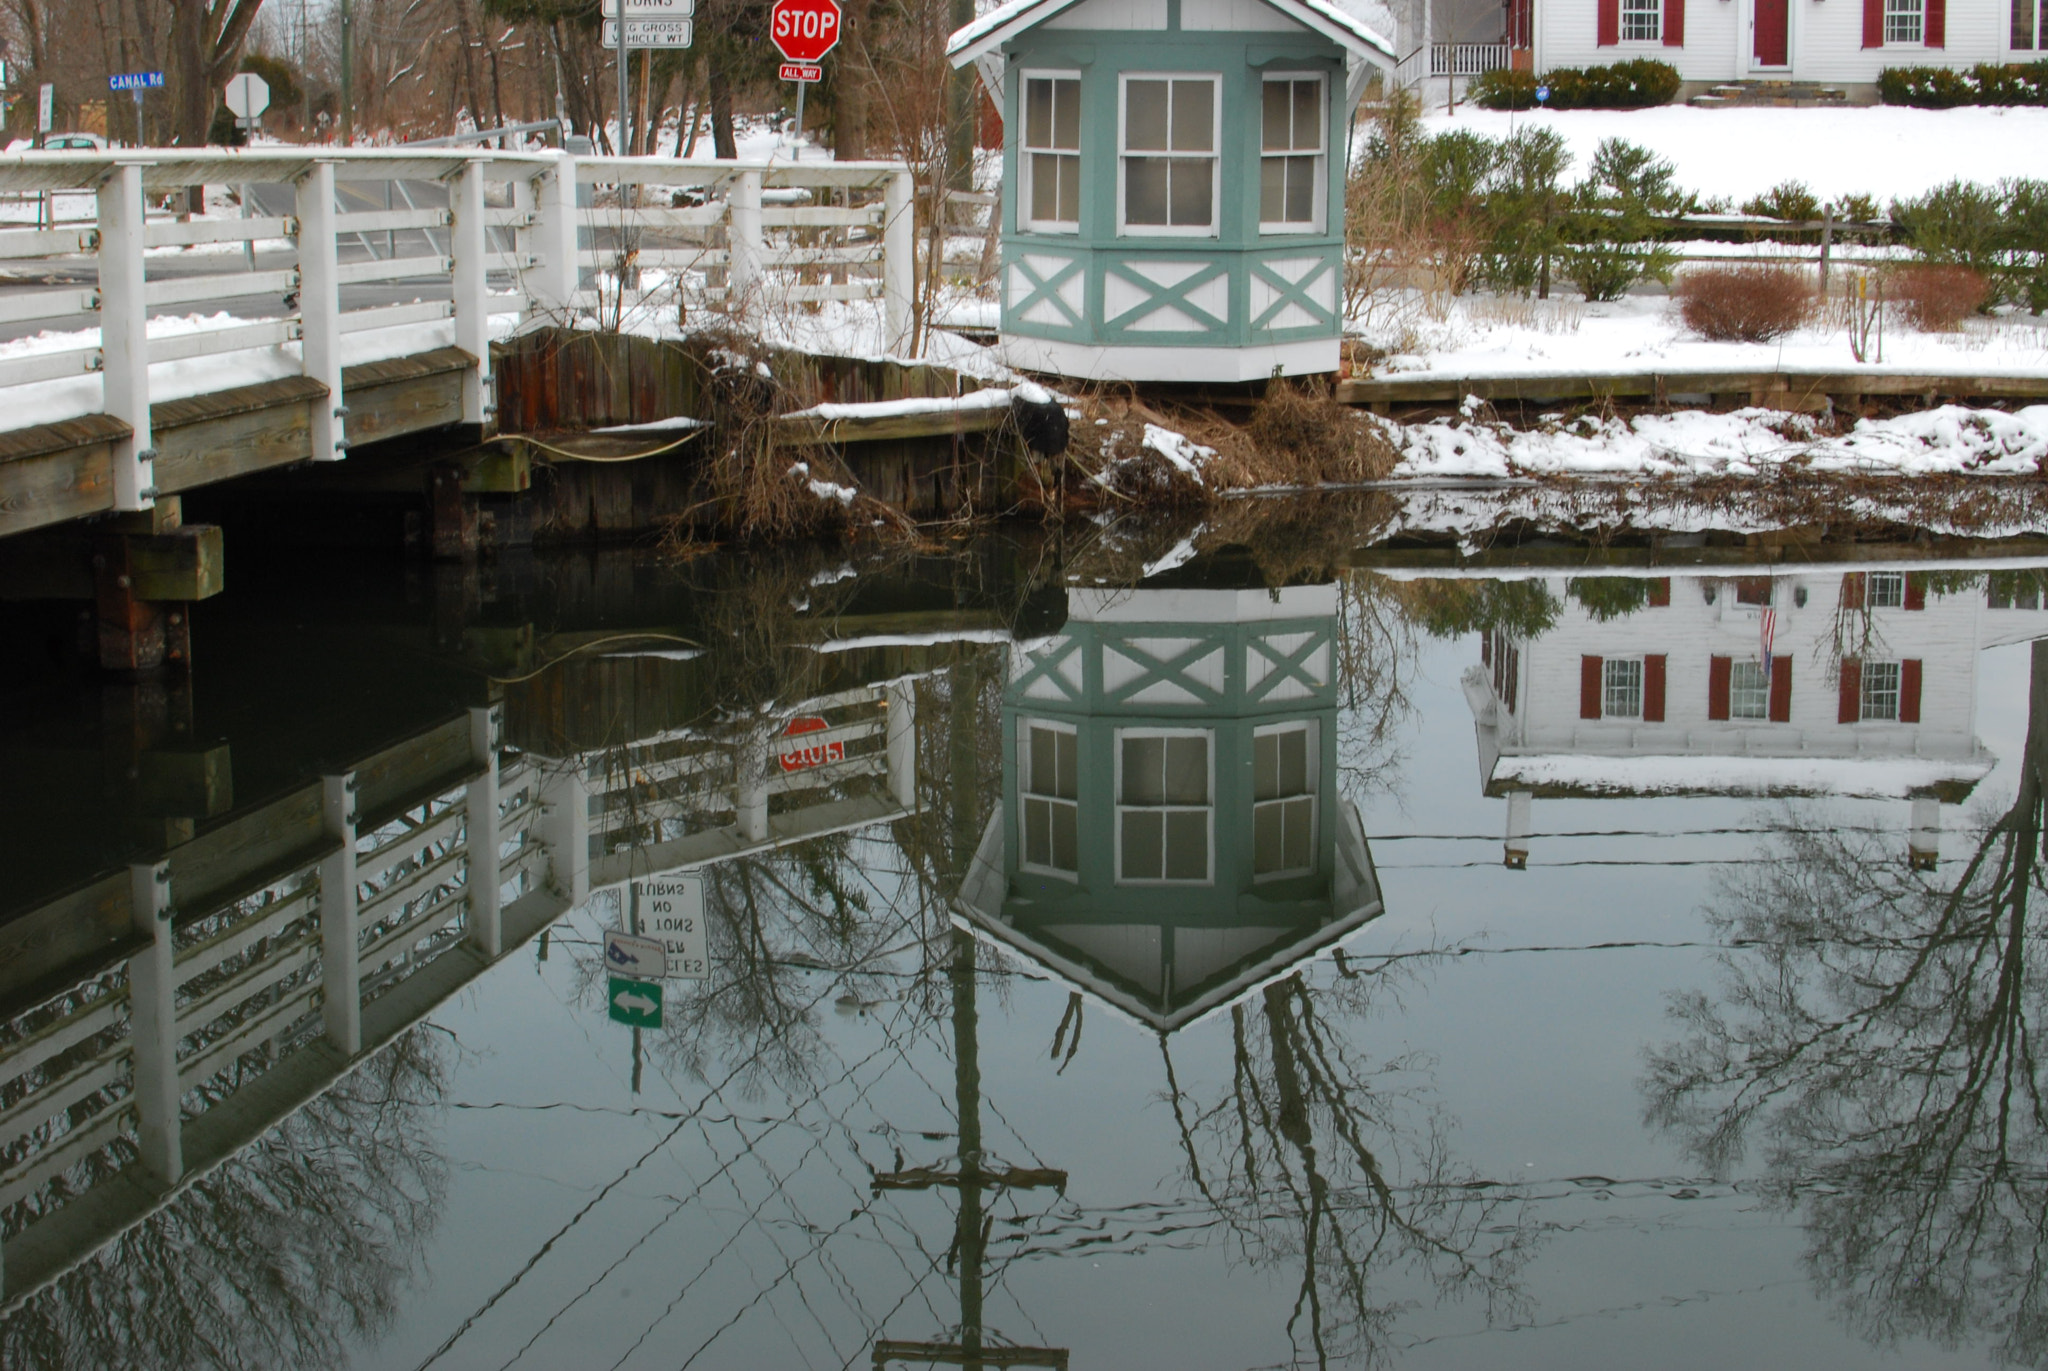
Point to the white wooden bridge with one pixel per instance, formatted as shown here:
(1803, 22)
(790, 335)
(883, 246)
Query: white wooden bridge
(369, 320)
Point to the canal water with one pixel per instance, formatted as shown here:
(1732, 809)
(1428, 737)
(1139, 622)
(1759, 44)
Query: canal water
(1161, 949)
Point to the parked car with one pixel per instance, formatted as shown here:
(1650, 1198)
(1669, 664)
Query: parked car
(74, 142)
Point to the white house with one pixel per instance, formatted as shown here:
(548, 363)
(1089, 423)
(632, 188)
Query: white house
(1836, 42)
(1869, 690)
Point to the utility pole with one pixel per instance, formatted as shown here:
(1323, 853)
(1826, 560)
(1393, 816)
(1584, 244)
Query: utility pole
(348, 77)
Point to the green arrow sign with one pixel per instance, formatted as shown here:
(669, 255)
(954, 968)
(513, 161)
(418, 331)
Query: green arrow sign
(637, 1003)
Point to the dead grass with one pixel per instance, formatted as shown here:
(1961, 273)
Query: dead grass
(1936, 299)
(1752, 302)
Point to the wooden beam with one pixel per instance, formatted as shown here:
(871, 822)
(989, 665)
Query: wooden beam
(229, 433)
(403, 395)
(955, 1354)
(807, 431)
(53, 472)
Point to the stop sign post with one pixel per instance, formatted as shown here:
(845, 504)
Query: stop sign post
(804, 31)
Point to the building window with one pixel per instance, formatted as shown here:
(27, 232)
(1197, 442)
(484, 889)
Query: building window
(1164, 811)
(1052, 813)
(1749, 691)
(1052, 153)
(1880, 690)
(1887, 589)
(1753, 590)
(2023, 14)
(1283, 800)
(1169, 155)
(1902, 21)
(1291, 155)
(1642, 21)
(1621, 695)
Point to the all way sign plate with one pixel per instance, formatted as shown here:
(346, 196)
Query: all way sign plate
(650, 33)
(628, 955)
(636, 1004)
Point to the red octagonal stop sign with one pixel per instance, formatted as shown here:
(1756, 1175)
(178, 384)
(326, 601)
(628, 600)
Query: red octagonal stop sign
(805, 30)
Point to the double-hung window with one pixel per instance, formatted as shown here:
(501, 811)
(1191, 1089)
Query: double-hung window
(1904, 21)
(1052, 152)
(1291, 181)
(1749, 691)
(1283, 800)
(1165, 811)
(1880, 690)
(1642, 21)
(1887, 589)
(1050, 799)
(1167, 183)
(1621, 695)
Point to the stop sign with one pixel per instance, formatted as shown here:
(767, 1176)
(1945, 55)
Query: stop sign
(805, 30)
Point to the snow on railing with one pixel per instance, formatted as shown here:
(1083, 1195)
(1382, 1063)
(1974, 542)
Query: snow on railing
(351, 242)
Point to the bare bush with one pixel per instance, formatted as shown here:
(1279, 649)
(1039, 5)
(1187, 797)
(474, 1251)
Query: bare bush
(1753, 302)
(1302, 434)
(1937, 299)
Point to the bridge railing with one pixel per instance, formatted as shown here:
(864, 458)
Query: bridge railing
(161, 1019)
(537, 236)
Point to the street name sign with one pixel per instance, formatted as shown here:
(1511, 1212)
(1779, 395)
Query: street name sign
(627, 954)
(637, 1004)
(651, 33)
(136, 80)
(672, 912)
(804, 30)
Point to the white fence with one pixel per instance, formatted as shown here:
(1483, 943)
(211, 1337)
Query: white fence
(1467, 59)
(540, 235)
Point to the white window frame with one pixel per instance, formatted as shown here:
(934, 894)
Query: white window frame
(1024, 155)
(1208, 810)
(1894, 583)
(1313, 794)
(1762, 691)
(1214, 228)
(1865, 693)
(1636, 9)
(1026, 797)
(1320, 214)
(1897, 14)
(1608, 686)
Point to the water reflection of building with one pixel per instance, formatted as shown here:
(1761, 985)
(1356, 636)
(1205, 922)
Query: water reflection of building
(1855, 684)
(1170, 834)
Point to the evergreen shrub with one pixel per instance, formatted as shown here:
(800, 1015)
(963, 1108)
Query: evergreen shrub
(1947, 87)
(1636, 84)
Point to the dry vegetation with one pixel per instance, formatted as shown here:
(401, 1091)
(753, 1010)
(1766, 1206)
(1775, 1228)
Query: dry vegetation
(1754, 302)
(1937, 298)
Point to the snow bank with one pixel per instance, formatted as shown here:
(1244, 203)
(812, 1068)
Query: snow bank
(1883, 150)
(1859, 777)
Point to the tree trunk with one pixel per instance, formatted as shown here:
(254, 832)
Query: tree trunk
(191, 91)
(850, 102)
(721, 117)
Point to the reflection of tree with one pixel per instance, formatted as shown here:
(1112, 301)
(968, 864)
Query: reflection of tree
(1447, 608)
(298, 1246)
(1876, 1038)
(1310, 1157)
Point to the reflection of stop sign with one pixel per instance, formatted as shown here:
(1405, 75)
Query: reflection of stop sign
(805, 30)
(802, 758)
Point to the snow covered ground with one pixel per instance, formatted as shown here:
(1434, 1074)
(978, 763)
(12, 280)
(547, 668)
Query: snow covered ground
(1881, 150)
(1474, 336)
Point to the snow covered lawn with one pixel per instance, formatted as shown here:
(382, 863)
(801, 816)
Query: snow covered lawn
(1881, 150)
(1480, 336)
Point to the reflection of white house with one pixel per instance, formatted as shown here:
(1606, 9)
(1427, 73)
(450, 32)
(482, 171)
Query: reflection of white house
(1170, 834)
(1868, 690)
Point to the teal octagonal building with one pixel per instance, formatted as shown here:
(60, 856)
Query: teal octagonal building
(1173, 181)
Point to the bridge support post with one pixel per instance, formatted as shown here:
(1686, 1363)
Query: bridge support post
(899, 262)
(341, 971)
(152, 1005)
(564, 829)
(320, 308)
(743, 237)
(1515, 847)
(124, 342)
(472, 296)
(480, 835)
(902, 743)
(552, 283)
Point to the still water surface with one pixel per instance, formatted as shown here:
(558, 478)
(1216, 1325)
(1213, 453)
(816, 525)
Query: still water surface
(1245, 964)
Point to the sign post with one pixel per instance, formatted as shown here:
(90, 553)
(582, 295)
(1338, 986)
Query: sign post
(136, 82)
(630, 24)
(804, 31)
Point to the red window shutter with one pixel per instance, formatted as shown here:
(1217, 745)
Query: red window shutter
(1909, 691)
(1653, 688)
(1718, 672)
(1674, 22)
(1852, 590)
(1781, 690)
(1660, 592)
(1851, 710)
(1916, 591)
(1873, 32)
(1610, 22)
(1937, 23)
(1589, 683)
